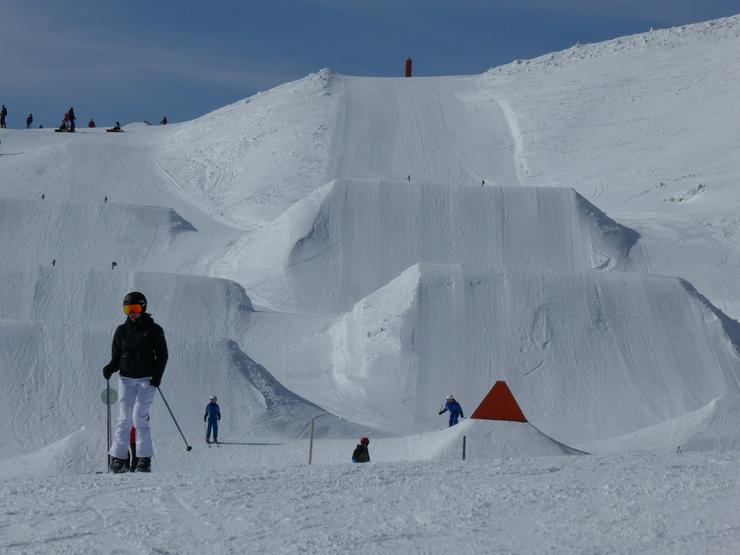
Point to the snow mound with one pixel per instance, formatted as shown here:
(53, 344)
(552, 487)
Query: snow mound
(713, 427)
(72, 454)
(485, 440)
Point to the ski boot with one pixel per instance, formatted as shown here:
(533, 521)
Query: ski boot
(117, 466)
(144, 464)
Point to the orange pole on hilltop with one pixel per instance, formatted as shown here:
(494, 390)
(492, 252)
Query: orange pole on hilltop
(407, 68)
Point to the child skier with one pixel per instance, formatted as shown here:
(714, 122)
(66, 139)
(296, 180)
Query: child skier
(211, 417)
(361, 454)
(454, 408)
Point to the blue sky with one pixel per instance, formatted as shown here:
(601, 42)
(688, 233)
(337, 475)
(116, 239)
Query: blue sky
(134, 60)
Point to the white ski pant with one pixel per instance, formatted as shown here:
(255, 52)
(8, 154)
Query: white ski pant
(136, 396)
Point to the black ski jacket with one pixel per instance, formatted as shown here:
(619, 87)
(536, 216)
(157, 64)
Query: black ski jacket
(361, 454)
(139, 349)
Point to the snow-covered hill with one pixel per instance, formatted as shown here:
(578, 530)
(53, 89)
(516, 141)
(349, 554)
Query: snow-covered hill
(352, 249)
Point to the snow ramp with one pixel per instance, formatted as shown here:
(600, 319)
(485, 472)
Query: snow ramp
(39, 233)
(588, 355)
(94, 297)
(354, 236)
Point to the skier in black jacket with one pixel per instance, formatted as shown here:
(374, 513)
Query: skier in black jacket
(139, 351)
(361, 454)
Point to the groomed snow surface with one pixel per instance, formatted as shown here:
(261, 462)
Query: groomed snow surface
(350, 250)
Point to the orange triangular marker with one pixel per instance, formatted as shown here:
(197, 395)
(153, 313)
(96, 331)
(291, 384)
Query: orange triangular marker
(499, 404)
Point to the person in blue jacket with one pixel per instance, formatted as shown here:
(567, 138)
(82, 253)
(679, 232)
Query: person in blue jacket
(454, 409)
(211, 417)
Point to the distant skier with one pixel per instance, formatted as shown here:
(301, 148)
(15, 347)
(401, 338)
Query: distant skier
(3, 115)
(164, 121)
(91, 123)
(139, 351)
(29, 121)
(361, 454)
(72, 119)
(454, 409)
(115, 129)
(211, 417)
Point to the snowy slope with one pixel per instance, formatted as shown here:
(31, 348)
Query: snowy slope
(353, 249)
(645, 128)
(246, 193)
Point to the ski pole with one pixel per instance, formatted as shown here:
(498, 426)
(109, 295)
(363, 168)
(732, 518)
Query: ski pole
(107, 402)
(166, 404)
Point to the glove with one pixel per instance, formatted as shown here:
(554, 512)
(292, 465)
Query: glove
(441, 412)
(108, 371)
(155, 381)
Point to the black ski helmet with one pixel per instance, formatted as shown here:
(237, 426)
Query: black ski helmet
(135, 298)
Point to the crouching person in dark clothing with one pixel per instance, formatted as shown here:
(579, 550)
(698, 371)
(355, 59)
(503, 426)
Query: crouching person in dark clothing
(361, 454)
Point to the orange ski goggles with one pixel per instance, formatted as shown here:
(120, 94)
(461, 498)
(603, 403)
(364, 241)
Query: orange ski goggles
(132, 308)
